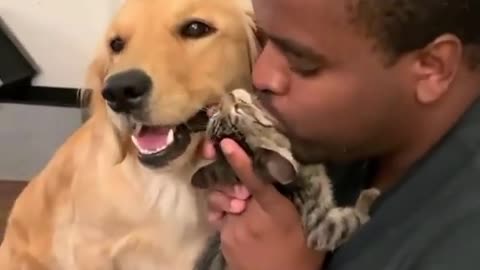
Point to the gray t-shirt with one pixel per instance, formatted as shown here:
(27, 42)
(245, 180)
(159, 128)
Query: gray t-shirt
(431, 220)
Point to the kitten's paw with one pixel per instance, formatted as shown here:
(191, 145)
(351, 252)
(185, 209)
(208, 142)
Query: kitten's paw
(204, 177)
(216, 173)
(317, 242)
(272, 167)
(331, 230)
(366, 199)
(322, 238)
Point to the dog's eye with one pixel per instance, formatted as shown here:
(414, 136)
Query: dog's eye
(117, 44)
(196, 29)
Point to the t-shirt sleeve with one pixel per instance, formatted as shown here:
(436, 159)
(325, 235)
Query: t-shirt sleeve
(457, 248)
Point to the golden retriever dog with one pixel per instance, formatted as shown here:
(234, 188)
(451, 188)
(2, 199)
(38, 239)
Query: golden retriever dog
(117, 194)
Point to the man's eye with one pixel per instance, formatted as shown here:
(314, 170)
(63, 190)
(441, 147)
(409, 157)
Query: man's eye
(304, 68)
(303, 65)
(305, 72)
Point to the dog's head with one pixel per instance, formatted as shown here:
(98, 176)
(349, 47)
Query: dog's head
(162, 62)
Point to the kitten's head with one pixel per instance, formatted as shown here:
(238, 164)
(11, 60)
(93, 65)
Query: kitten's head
(240, 116)
(239, 113)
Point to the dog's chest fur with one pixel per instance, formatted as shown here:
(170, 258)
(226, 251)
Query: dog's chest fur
(155, 220)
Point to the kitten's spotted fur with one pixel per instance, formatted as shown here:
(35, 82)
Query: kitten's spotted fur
(240, 117)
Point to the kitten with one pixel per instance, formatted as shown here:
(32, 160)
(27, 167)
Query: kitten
(239, 116)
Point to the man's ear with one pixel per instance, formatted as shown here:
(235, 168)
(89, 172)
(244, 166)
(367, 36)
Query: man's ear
(436, 67)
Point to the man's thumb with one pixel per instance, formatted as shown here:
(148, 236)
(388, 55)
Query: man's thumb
(263, 192)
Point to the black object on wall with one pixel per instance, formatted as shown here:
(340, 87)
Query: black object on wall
(15, 64)
(17, 69)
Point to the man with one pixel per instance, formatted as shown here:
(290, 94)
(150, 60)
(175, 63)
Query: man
(393, 82)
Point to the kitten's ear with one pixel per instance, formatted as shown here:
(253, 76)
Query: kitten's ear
(273, 167)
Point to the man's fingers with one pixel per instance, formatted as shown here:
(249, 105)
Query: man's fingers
(208, 151)
(264, 193)
(220, 202)
(215, 219)
(239, 192)
(234, 191)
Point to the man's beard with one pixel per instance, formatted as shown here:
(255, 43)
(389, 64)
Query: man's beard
(308, 152)
(303, 150)
(313, 152)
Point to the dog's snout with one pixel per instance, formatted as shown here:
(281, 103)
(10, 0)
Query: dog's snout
(126, 91)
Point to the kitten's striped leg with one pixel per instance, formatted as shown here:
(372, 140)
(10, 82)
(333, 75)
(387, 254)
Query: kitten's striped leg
(335, 228)
(326, 225)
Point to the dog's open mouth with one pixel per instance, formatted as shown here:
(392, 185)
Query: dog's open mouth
(158, 145)
(151, 140)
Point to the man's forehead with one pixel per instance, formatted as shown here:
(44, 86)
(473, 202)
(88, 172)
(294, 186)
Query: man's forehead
(327, 11)
(305, 19)
(305, 22)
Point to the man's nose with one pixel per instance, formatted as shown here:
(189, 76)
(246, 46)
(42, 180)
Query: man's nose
(271, 72)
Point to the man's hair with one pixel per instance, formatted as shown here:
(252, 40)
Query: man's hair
(401, 26)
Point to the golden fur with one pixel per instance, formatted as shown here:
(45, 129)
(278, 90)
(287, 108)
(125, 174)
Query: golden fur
(94, 206)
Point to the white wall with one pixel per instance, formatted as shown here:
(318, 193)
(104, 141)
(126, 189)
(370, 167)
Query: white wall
(60, 36)
(29, 135)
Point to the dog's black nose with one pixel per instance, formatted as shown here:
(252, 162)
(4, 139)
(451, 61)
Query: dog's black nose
(126, 91)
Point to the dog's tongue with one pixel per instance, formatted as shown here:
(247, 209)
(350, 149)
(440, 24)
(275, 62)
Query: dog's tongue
(153, 138)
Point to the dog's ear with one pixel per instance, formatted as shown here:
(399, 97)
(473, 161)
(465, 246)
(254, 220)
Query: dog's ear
(105, 129)
(95, 76)
(254, 44)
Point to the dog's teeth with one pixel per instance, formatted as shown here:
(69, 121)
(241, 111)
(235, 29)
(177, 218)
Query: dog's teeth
(148, 152)
(170, 136)
(135, 142)
(160, 149)
(137, 128)
(169, 140)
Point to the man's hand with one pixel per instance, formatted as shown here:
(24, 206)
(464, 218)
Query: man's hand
(223, 199)
(260, 229)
